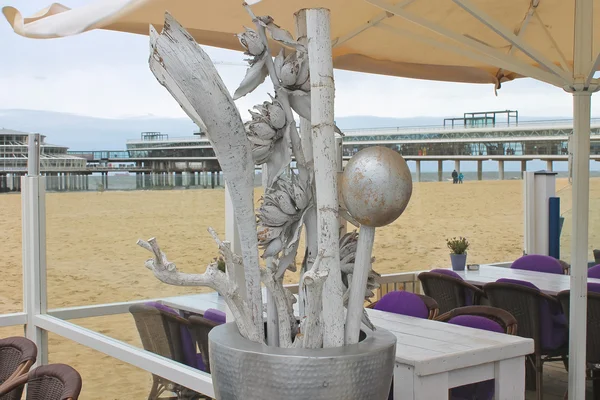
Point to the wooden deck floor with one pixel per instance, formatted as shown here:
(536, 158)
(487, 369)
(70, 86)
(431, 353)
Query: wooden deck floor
(555, 383)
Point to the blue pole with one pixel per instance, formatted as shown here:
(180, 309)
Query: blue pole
(554, 227)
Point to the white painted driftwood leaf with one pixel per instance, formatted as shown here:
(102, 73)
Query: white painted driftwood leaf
(255, 75)
(194, 82)
(279, 34)
(279, 160)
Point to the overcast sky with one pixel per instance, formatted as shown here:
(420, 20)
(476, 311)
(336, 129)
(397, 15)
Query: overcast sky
(106, 74)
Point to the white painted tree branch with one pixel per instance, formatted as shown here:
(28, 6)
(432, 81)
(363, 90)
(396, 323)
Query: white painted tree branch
(280, 300)
(356, 300)
(273, 320)
(312, 325)
(322, 97)
(167, 272)
(187, 72)
(310, 219)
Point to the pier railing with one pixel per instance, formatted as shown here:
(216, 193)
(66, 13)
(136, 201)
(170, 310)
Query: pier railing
(549, 124)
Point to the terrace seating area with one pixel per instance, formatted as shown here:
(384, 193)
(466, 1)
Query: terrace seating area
(489, 299)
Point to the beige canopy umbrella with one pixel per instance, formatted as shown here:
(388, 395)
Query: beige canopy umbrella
(476, 41)
(439, 40)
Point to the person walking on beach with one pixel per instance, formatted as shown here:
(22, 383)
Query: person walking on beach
(460, 177)
(454, 176)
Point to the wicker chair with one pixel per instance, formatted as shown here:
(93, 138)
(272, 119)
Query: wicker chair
(17, 355)
(48, 382)
(593, 339)
(507, 322)
(534, 312)
(407, 303)
(160, 332)
(485, 318)
(449, 291)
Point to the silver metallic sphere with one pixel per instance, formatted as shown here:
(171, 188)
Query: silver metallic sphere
(376, 186)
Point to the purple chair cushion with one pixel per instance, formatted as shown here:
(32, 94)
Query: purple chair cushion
(481, 390)
(538, 263)
(593, 287)
(190, 357)
(476, 321)
(215, 315)
(594, 272)
(405, 303)
(553, 323)
(468, 293)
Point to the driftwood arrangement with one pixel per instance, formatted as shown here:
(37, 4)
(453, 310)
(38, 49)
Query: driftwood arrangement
(304, 197)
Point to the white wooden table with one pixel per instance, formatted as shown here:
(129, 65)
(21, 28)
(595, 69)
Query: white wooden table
(550, 284)
(432, 357)
(196, 303)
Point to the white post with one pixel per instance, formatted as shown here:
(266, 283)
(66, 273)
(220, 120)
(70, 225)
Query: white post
(322, 96)
(580, 145)
(579, 244)
(306, 140)
(538, 188)
(501, 170)
(529, 213)
(418, 170)
(33, 200)
(232, 236)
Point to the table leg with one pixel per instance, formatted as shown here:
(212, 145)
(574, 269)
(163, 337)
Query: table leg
(509, 378)
(431, 387)
(403, 382)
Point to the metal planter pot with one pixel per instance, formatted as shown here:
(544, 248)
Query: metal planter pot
(242, 369)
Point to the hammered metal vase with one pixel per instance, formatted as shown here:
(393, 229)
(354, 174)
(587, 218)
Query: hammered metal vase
(246, 370)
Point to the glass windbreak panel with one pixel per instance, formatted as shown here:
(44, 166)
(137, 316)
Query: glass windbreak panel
(594, 218)
(488, 212)
(9, 331)
(103, 377)
(564, 191)
(92, 256)
(11, 265)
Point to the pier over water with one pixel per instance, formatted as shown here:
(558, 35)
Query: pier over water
(158, 160)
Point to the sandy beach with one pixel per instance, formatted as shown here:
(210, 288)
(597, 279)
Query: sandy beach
(92, 255)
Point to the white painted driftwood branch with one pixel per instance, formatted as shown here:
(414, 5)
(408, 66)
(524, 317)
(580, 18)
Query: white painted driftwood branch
(356, 300)
(312, 325)
(322, 125)
(166, 272)
(187, 72)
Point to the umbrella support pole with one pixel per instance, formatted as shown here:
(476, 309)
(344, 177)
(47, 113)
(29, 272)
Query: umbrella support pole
(580, 156)
(580, 145)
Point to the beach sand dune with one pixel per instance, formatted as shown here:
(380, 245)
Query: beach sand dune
(92, 255)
